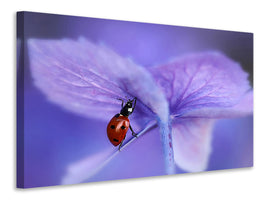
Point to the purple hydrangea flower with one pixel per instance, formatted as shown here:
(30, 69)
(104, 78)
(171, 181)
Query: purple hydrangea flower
(181, 100)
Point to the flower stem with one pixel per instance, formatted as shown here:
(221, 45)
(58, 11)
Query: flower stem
(166, 139)
(149, 126)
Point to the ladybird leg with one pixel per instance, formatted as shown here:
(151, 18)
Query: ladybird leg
(121, 102)
(133, 133)
(134, 103)
(121, 144)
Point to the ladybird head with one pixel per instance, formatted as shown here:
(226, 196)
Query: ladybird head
(129, 102)
(128, 107)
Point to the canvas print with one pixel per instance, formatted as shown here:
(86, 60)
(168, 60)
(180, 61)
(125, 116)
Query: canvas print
(101, 99)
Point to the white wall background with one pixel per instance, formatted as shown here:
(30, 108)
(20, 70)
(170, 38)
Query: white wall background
(227, 15)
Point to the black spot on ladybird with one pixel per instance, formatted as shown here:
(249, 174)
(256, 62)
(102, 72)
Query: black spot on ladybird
(123, 127)
(112, 126)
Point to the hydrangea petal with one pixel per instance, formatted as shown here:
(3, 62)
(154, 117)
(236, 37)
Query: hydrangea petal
(205, 85)
(85, 168)
(241, 109)
(87, 79)
(192, 143)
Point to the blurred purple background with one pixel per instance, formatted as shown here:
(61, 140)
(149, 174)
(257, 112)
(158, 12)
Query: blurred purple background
(55, 138)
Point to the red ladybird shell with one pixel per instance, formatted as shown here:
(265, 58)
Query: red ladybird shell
(117, 129)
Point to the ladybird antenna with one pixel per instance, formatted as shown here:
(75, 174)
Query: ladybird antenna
(128, 99)
(133, 99)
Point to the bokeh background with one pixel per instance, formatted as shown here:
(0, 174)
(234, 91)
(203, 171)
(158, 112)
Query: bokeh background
(50, 138)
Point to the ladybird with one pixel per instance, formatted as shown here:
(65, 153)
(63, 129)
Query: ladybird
(119, 124)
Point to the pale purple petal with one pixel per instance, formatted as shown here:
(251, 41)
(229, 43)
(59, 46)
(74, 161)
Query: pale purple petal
(87, 79)
(192, 143)
(85, 168)
(205, 85)
(243, 108)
